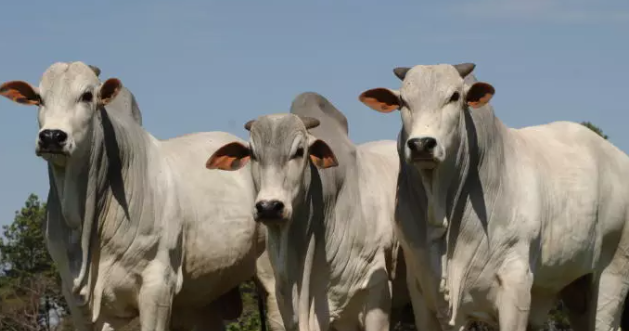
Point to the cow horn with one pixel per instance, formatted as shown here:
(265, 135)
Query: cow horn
(400, 72)
(95, 69)
(310, 122)
(464, 69)
(249, 124)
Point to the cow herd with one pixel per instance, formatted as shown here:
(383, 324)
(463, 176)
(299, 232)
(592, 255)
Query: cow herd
(462, 217)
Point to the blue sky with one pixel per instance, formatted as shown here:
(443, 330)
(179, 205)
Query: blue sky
(210, 65)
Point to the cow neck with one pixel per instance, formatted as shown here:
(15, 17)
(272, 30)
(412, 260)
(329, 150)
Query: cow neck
(461, 191)
(104, 186)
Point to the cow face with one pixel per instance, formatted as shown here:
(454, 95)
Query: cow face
(280, 151)
(68, 97)
(431, 101)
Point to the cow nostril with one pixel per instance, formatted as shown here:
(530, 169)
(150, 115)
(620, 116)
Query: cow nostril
(45, 136)
(48, 137)
(276, 206)
(429, 143)
(414, 144)
(270, 208)
(59, 136)
(260, 206)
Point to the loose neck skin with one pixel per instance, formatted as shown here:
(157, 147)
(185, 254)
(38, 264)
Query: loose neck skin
(93, 193)
(295, 247)
(462, 192)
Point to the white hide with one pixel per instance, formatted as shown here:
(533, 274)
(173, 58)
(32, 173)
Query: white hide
(137, 225)
(509, 219)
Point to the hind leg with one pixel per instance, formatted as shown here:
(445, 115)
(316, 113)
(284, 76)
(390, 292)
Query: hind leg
(611, 297)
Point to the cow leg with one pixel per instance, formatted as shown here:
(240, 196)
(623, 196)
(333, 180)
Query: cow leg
(156, 296)
(80, 317)
(541, 304)
(265, 280)
(612, 289)
(425, 319)
(514, 296)
(378, 307)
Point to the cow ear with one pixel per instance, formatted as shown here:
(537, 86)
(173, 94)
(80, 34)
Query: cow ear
(479, 94)
(230, 157)
(109, 90)
(321, 155)
(20, 92)
(381, 99)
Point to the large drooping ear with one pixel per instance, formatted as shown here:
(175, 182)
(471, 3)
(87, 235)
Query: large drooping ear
(321, 154)
(20, 92)
(230, 157)
(109, 90)
(381, 99)
(479, 94)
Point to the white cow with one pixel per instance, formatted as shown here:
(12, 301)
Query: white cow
(518, 218)
(137, 225)
(328, 207)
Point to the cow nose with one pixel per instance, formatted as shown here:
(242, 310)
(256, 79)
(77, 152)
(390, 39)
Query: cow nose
(270, 209)
(422, 145)
(52, 138)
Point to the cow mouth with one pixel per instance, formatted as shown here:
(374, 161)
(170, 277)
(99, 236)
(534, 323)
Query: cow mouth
(425, 162)
(275, 220)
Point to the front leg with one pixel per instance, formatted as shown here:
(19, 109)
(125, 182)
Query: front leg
(514, 295)
(156, 296)
(378, 307)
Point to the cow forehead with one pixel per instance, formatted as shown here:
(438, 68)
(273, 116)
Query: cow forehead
(430, 81)
(277, 131)
(65, 77)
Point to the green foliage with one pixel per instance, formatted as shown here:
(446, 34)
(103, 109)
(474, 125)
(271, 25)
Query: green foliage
(595, 129)
(249, 320)
(29, 284)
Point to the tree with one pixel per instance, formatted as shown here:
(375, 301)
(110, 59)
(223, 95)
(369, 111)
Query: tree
(30, 294)
(595, 129)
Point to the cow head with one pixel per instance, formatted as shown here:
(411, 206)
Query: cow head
(68, 96)
(280, 151)
(431, 101)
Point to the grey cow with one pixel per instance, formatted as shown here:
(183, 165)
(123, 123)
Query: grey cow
(328, 207)
(510, 219)
(136, 225)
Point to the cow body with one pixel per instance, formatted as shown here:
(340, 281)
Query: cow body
(136, 225)
(332, 244)
(511, 220)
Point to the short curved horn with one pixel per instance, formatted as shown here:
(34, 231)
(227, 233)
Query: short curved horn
(464, 69)
(95, 69)
(310, 122)
(400, 72)
(249, 124)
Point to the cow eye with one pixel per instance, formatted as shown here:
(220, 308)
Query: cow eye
(299, 152)
(455, 97)
(87, 97)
